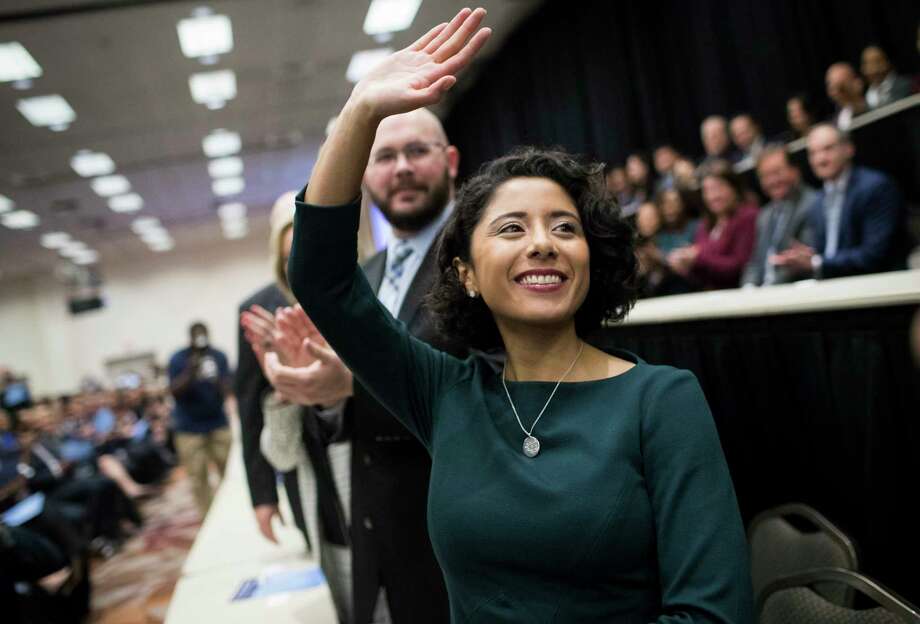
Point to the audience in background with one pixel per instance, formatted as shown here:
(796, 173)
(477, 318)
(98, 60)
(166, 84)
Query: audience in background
(678, 228)
(783, 221)
(665, 157)
(652, 266)
(639, 176)
(199, 380)
(885, 85)
(747, 137)
(618, 184)
(724, 239)
(716, 144)
(845, 89)
(858, 217)
(800, 115)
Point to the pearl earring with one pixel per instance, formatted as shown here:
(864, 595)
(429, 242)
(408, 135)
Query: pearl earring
(472, 294)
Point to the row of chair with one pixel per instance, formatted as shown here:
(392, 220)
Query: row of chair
(806, 571)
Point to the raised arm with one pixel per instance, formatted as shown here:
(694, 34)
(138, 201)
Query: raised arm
(412, 78)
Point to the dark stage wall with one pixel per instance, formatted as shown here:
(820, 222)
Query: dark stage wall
(821, 408)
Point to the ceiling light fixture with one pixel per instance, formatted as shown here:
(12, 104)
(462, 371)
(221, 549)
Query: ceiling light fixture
(106, 186)
(228, 186)
(6, 204)
(389, 16)
(55, 240)
(90, 164)
(213, 89)
(16, 64)
(221, 143)
(50, 111)
(154, 237)
(226, 167)
(364, 61)
(20, 219)
(231, 212)
(130, 202)
(205, 35)
(145, 224)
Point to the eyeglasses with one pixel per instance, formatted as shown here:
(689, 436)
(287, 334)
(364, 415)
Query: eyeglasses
(414, 152)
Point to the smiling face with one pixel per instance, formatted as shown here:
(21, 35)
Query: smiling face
(829, 153)
(529, 255)
(719, 196)
(411, 170)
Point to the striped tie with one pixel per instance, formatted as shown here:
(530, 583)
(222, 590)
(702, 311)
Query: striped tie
(395, 270)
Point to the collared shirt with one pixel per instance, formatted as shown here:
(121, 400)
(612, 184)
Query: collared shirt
(392, 296)
(845, 117)
(834, 194)
(875, 96)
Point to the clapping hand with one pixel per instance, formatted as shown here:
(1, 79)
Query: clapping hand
(258, 329)
(796, 259)
(304, 369)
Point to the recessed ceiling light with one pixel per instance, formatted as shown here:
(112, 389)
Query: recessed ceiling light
(131, 202)
(364, 61)
(6, 204)
(225, 167)
(160, 247)
(387, 16)
(228, 186)
(16, 63)
(229, 212)
(89, 256)
(72, 248)
(106, 186)
(143, 224)
(205, 35)
(47, 110)
(235, 233)
(155, 236)
(55, 240)
(213, 88)
(89, 164)
(221, 143)
(20, 219)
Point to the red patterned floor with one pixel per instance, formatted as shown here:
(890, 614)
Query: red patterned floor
(135, 586)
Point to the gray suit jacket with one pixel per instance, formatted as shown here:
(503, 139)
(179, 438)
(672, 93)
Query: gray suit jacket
(778, 224)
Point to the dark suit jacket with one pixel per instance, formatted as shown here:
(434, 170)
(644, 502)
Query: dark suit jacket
(390, 473)
(873, 234)
(249, 386)
(776, 229)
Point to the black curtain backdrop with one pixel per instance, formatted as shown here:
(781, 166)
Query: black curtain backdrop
(821, 408)
(606, 78)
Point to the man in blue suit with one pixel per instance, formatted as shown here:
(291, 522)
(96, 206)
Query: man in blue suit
(858, 218)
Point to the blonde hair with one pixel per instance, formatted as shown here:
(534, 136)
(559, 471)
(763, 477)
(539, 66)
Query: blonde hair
(282, 219)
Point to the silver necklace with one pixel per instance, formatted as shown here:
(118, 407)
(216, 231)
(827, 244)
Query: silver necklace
(532, 444)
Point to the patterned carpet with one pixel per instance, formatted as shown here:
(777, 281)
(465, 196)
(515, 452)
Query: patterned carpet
(135, 585)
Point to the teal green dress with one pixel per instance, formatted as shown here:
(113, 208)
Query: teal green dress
(627, 514)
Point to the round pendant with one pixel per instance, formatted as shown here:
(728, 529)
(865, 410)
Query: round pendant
(531, 446)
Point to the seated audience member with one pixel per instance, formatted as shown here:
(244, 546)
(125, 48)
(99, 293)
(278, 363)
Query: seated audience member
(640, 179)
(716, 144)
(618, 184)
(665, 157)
(857, 218)
(885, 85)
(652, 264)
(800, 115)
(747, 137)
(677, 226)
(782, 221)
(724, 238)
(685, 175)
(845, 89)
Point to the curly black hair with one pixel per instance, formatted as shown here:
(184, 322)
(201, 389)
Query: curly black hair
(610, 238)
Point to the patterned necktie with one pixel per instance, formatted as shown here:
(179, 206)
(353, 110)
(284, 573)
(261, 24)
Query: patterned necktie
(395, 270)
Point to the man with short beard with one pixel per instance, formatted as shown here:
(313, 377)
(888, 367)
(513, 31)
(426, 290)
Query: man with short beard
(410, 177)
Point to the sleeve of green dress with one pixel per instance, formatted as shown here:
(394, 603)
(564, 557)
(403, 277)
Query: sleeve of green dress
(405, 374)
(702, 548)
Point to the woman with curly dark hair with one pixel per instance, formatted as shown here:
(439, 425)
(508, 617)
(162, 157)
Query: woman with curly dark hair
(573, 485)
